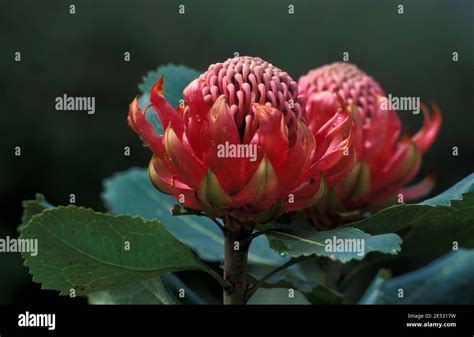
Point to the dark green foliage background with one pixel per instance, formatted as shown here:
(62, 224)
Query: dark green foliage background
(82, 55)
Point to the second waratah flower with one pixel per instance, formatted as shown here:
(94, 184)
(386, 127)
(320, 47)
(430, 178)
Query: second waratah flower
(386, 160)
(240, 146)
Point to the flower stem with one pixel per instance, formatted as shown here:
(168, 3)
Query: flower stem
(236, 247)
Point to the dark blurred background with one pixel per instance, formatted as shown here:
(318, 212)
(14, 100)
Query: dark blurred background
(66, 152)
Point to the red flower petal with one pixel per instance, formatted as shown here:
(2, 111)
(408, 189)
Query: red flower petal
(401, 167)
(163, 179)
(420, 189)
(183, 161)
(262, 189)
(341, 168)
(223, 135)
(196, 129)
(296, 168)
(272, 134)
(166, 113)
(307, 194)
(212, 196)
(381, 132)
(428, 132)
(320, 108)
(137, 121)
(331, 135)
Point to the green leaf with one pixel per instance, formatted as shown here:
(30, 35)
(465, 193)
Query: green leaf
(84, 250)
(429, 231)
(130, 192)
(193, 293)
(375, 292)
(323, 295)
(176, 78)
(447, 280)
(453, 193)
(278, 296)
(304, 275)
(145, 292)
(151, 291)
(166, 289)
(319, 294)
(398, 217)
(298, 243)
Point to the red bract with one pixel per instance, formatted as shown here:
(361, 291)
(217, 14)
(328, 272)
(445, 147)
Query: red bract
(204, 159)
(386, 161)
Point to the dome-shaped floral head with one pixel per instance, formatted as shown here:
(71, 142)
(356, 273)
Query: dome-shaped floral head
(239, 146)
(386, 160)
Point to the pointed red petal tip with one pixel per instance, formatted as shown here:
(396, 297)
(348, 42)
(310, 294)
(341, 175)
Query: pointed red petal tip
(340, 100)
(157, 88)
(272, 134)
(425, 137)
(262, 110)
(219, 107)
(165, 112)
(420, 189)
(133, 109)
(136, 118)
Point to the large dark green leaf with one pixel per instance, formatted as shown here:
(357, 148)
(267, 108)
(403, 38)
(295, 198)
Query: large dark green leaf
(319, 294)
(375, 292)
(278, 296)
(323, 295)
(447, 280)
(151, 291)
(429, 231)
(165, 289)
(87, 251)
(304, 275)
(452, 204)
(305, 243)
(193, 292)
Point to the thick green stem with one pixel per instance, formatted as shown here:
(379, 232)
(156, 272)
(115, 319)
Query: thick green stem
(236, 247)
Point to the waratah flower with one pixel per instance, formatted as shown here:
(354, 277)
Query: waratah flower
(386, 161)
(240, 146)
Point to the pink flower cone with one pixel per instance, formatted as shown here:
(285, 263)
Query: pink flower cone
(248, 103)
(386, 161)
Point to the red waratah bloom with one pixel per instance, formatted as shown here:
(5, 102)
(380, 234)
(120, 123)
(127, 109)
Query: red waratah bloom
(204, 159)
(386, 161)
